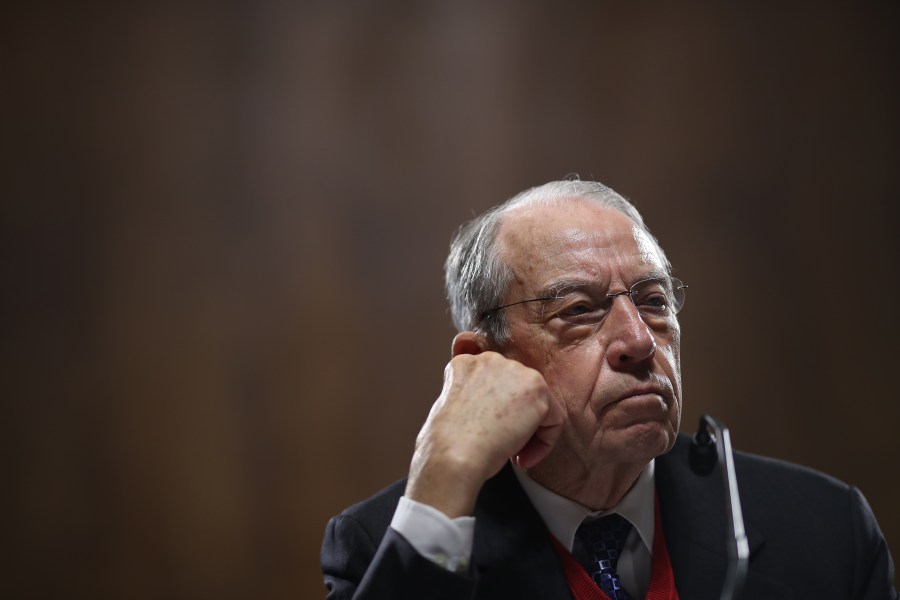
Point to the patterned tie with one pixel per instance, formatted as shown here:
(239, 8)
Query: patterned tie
(603, 540)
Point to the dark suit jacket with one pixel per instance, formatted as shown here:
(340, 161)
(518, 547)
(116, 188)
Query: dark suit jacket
(810, 536)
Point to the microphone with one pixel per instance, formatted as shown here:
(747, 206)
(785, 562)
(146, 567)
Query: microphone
(706, 450)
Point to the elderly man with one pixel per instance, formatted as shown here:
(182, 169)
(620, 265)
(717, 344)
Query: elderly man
(551, 465)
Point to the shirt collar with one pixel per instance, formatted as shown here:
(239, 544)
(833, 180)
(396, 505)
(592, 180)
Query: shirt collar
(563, 516)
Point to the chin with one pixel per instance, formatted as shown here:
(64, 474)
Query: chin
(649, 439)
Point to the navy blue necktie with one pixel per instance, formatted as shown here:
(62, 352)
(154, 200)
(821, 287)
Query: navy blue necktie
(603, 541)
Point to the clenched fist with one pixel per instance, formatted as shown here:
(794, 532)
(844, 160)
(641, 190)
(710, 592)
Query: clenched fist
(491, 408)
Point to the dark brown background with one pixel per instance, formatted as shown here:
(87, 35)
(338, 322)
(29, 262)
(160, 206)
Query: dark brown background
(224, 225)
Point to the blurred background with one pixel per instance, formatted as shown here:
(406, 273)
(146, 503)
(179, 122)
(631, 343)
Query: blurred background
(224, 225)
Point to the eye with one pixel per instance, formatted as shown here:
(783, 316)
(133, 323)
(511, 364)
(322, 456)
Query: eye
(652, 298)
(658, 301)
(581, 313)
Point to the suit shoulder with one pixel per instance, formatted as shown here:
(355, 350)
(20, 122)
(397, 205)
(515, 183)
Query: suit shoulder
(764, 470)
(781, 472)
(764, 481)
(374, 514)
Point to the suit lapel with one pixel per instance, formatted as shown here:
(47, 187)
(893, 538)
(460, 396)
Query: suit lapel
(515, 559)
(694, 520)
(512, 550)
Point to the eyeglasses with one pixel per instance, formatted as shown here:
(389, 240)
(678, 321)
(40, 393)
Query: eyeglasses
(656, 299)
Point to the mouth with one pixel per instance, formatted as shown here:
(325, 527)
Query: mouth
(643, 403)
(639, 408)
(647, 392)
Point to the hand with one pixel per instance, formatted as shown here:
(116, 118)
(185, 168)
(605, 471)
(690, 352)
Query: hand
(490, 409)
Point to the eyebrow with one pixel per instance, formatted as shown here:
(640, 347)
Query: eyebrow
(555, 288)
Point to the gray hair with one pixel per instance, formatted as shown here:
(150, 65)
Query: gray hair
(477, 278)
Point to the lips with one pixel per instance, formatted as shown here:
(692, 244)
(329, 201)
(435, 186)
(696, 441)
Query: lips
(644, 391)
(654, 385)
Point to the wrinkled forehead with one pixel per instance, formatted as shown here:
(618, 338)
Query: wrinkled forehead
(578, 239)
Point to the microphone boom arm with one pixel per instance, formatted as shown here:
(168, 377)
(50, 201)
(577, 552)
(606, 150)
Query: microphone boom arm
(738, 547)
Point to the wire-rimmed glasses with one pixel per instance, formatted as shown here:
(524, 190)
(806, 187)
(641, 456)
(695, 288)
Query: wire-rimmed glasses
(656, 299)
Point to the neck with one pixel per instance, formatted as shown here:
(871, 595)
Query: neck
(596, 487)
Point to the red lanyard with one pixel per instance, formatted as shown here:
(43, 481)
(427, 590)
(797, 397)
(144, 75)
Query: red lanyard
(662, 579)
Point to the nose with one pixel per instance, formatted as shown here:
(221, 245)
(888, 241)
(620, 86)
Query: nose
(631, 341)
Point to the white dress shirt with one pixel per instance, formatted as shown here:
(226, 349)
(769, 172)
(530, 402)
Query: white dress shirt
(448, 542)
(563, 516)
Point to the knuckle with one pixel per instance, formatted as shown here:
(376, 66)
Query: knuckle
(535, 380)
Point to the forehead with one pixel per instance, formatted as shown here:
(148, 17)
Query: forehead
(573, 239)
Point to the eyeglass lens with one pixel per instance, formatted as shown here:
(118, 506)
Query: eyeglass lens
(656, 300)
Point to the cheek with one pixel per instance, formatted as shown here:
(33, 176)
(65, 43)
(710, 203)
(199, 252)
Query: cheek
(573, 374)
(572, 379)
(669, 349)
(672, 368)
(673, 348)
(671, 359)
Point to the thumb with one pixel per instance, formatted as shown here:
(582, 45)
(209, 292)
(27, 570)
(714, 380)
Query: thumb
(544, 438)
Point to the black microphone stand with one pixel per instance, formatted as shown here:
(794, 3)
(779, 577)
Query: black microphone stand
(706, 451)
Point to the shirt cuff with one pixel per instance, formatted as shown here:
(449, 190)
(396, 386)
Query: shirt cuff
(445, 541)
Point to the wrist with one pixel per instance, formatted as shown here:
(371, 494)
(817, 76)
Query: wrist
(446, 482)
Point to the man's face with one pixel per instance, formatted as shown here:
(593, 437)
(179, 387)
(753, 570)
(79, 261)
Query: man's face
(620, 380)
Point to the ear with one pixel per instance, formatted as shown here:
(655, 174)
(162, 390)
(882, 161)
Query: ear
(470, 342)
